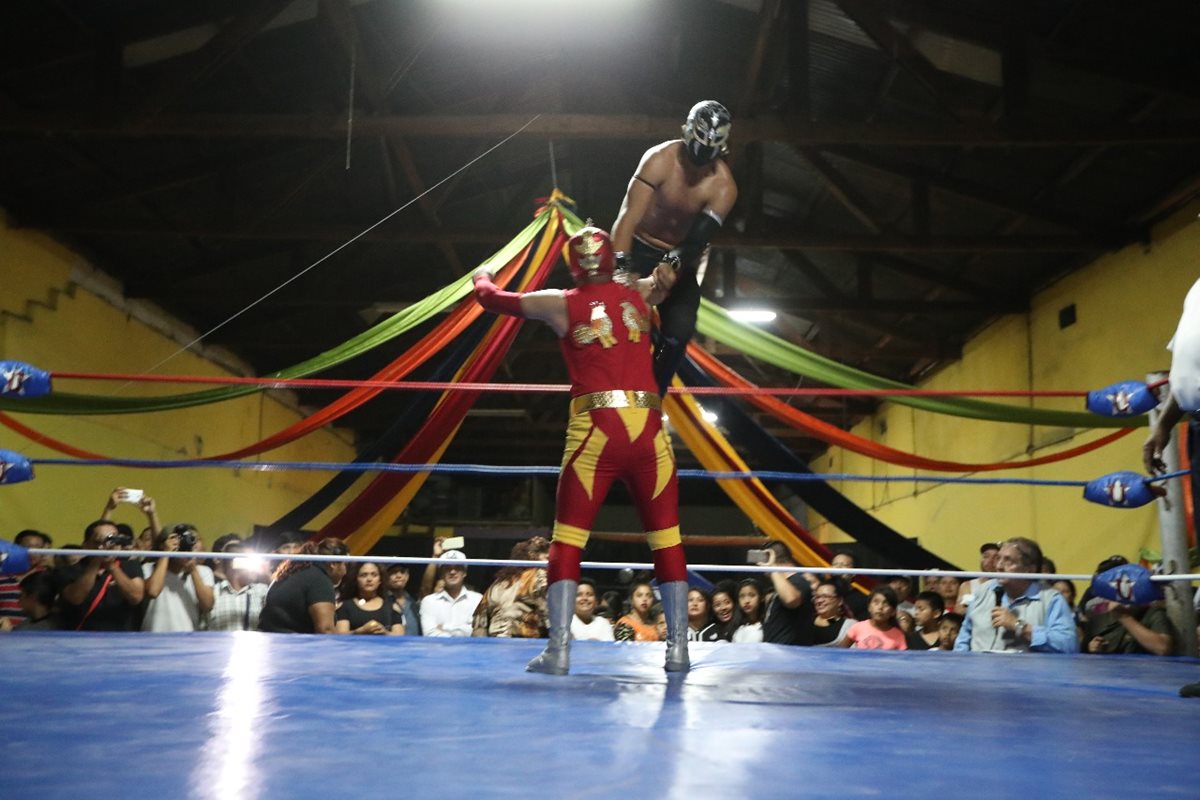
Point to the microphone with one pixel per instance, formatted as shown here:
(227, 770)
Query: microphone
(999, 595)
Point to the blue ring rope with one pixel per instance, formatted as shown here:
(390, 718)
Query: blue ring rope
(487, 469)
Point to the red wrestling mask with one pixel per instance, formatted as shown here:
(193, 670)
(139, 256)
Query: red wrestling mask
(589, 252)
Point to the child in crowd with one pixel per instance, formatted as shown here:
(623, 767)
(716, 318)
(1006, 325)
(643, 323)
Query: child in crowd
(948, 627)
(1067, 590)
(699, 607)
(727, 618)
(880, 630)
(639, 625)
(750, 603)
(927, 611)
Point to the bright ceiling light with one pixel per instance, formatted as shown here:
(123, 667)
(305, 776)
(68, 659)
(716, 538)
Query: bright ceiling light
(752, 315)
(709, 416)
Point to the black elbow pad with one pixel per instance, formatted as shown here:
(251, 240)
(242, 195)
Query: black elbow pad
(704, 228)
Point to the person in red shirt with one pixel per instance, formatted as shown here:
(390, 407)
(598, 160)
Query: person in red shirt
(615, 431)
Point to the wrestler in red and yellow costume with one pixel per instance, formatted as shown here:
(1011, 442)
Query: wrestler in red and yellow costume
(615, 431)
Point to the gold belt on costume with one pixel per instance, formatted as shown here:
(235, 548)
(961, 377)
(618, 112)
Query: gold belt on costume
(588, 402)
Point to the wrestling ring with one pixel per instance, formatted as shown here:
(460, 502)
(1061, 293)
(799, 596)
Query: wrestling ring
(255, 715)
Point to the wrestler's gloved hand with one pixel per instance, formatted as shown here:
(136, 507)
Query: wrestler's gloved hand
(1125, 399)
(493, 298)
(1127, 583)
(1122, 490)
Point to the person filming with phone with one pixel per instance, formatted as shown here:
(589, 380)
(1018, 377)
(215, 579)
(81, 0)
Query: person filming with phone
(789, 616)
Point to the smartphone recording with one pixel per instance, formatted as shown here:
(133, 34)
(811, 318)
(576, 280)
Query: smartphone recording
(757, 556)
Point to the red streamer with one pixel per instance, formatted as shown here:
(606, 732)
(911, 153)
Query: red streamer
(429, 345)
(444, 420)
(857, 444)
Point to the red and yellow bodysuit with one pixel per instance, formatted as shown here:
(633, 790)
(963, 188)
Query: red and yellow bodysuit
(615, 431)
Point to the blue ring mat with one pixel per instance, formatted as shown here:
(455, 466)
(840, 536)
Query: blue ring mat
(251, 715)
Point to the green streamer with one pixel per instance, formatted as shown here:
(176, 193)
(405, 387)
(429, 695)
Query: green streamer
(393, 326)
(715, 322)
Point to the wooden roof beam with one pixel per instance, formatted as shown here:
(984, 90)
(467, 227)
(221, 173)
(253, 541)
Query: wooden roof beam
(968, 190)
(781, 129)
(872, 19)
(1101, 62)
(233, 36)
(812, 242)
(341, 20)
(843, 191)
(767, 16)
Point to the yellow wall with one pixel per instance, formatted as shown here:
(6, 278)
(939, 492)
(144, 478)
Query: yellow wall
(48, 321)
(1127, 305)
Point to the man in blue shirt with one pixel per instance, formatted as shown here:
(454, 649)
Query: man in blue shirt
(1014, 615)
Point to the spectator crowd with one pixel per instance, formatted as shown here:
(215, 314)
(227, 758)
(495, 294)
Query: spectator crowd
(176, 592)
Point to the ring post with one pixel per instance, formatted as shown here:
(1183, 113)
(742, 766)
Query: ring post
(1173, 531)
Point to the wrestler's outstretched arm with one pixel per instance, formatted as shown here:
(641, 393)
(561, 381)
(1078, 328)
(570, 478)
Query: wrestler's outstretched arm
(548, 305)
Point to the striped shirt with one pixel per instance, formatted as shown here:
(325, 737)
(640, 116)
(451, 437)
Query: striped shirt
(10, 598)
(236, 610)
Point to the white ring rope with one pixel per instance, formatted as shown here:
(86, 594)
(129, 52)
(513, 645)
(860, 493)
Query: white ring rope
(616, 565)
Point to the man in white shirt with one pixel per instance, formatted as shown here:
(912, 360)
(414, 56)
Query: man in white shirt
(585, 625)
(451, 611)
(1184, 398)
(180, 590)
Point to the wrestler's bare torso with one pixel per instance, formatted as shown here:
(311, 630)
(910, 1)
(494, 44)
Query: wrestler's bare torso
(672, 191)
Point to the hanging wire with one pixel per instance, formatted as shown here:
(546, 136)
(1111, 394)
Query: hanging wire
(335, 250)
(350, 102)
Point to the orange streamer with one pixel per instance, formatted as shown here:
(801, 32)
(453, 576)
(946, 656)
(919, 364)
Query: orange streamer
(857, 444)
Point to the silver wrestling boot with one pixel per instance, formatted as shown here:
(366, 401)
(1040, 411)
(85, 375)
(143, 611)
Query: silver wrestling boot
(560, 608)
(674, 602)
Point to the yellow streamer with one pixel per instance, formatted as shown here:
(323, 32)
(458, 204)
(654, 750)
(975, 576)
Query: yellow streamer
(719, 456)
